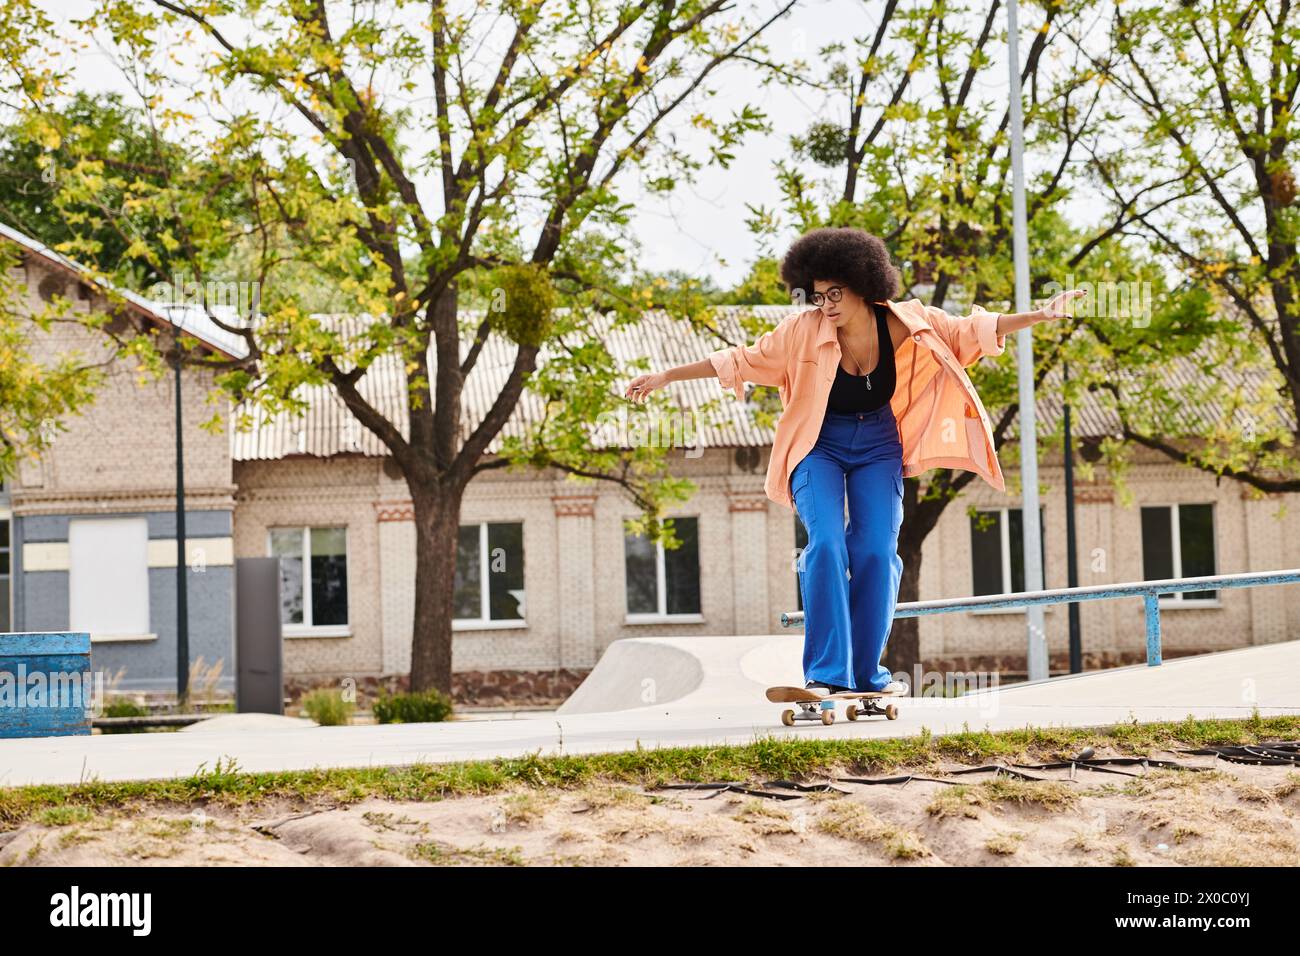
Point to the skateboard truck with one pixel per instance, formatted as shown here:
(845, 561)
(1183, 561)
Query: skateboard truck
(823, 710)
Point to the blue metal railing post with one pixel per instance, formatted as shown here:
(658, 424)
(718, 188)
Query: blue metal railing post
(1152, 601)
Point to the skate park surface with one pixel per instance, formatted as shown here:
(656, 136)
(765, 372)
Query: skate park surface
(655, 692)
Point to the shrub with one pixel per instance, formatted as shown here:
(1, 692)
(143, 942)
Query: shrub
(327, 707)
(125, 707)
(420, 708)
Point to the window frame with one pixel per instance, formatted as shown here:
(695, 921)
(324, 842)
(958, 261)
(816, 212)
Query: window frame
(315, 630)
(1004, 546)
(485, 622)
(1176, 600)
(661, 615)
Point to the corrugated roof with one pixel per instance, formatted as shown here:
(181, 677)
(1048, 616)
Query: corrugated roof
(329, 429)
(1185, 378)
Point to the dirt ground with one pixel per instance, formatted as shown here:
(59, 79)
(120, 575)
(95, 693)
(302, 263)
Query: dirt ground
(1227, 815)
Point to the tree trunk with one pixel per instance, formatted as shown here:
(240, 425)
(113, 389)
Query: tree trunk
(920, 517)
(437, 523)
(903, 651)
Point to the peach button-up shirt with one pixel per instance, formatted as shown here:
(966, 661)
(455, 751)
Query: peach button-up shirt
(941, 421)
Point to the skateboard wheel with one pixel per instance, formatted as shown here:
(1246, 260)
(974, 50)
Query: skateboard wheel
(851, 712)
(787, 717)
(828, 717)
(891, 712)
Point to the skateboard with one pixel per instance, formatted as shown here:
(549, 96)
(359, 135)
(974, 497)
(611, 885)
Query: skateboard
(814, 706)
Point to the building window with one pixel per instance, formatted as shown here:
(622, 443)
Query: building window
(800, 542)
(108, 577)
(997, 550)
(490, 552)
(313, 577)
(662, 582)
(1178, 542)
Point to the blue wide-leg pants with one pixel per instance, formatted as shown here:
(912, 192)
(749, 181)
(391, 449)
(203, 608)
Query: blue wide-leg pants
(849, 575)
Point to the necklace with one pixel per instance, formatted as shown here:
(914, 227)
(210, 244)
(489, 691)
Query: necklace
(854, 356)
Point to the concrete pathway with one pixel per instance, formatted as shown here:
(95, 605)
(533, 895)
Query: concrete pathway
(716, 699)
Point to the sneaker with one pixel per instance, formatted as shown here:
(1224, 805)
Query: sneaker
(821, 687)
(893, 687)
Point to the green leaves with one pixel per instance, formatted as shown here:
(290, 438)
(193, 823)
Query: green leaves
(521, 303)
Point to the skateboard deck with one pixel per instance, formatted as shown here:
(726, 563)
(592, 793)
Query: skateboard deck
(821, 707)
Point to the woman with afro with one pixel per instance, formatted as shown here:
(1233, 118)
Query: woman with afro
(871, 391)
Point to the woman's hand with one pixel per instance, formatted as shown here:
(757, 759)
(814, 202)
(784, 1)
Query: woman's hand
(1055, 308)
(639, 389)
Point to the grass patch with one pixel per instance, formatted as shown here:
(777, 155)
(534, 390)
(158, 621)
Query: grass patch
(966, 801)
(1004, 844)
(63, 816)
(1051, 795)
(1252, 793)
(225, 785)
(1160, 780)
(1288, 786)
(526, 807)
(1082, 841)
(388, 821)
(443, 854)
(853, 821)
(169, 827)
(961, 801)
(765, 818)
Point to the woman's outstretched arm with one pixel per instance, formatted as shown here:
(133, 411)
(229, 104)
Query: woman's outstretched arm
(639, 389)
(766, 362)
(763, 363)
(984, 333)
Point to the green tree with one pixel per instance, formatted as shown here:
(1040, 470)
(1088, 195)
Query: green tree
(913, 145)
(1200, 160)
(405, 152)
(108, 221)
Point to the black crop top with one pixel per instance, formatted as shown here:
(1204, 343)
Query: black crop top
(866, 393)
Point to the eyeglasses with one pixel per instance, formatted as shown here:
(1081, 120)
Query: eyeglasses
(834, 293)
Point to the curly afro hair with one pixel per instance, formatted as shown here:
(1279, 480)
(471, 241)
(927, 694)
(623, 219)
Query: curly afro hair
(844, 254)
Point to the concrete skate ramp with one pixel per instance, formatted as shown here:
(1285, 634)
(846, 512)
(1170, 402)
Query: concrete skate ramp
(686, 673)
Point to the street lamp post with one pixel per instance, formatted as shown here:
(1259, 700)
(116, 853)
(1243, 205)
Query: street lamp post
(1036, 656)
(182, 588)
(1071, 563)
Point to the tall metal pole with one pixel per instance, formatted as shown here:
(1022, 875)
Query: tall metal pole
(182, 602)
(1071, 560)
(1036, 656)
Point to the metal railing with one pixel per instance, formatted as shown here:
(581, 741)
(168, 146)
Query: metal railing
(1149, 591)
